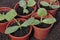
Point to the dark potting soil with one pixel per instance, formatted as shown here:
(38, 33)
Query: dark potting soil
(20, 32)
(3, 21)
(42, 25)
(4, 37)
(20, 11)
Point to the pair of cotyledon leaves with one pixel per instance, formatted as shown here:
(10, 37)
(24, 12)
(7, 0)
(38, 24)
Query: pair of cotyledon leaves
(31, 21)
(30, 3)
(50, 5)
(9, 15)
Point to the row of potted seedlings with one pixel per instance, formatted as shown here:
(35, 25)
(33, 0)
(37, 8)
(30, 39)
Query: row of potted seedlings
(26, 16)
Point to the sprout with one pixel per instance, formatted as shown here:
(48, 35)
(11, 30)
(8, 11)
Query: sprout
(43, 3)
(23, 4)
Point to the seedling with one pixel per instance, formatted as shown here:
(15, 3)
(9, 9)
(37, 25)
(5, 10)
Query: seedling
(15, 28)
(42, 12)
(24, 4)
(8, 16)
(44, 3)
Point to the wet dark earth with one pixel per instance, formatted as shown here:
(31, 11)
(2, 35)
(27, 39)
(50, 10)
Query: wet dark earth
(54, 33)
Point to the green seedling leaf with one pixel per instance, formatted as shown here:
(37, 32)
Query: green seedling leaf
(42, 12)
(55, 6)
(31, 3)
(49, 20)
(35, 22)
(11, 14)
(25, 11)
(43, 3)
(22, 3)
(53, 1)
(2, 17)
(11, 29)
(28, 22)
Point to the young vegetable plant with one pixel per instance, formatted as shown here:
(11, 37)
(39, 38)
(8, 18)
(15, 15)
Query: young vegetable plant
(8, 16)
(46, 4)
(15, 28)
(24, 4)
(42, 12)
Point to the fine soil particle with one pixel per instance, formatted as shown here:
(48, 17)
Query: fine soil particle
(3, 21)
(20, 11)
(20, 32)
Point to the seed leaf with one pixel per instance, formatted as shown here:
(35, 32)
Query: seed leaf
(11, 29)
(31, 3)
(42, 12)
(22, 3)
(55, 6)
(28, 22)
(11, 14)
(25, 11)
(35, 22)
(43, 3)
(49, 20)
(2, 17)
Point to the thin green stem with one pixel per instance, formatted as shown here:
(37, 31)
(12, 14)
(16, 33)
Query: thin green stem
(41, 19)
(17, 22)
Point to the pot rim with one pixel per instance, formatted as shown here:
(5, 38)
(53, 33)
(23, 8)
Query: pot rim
(34, 7)
(5, 9)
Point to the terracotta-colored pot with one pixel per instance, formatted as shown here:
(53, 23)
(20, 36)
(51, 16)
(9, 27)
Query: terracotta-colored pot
(3, 25)
(53, 12)
(42, 33)
(26, 37)
(27, 16)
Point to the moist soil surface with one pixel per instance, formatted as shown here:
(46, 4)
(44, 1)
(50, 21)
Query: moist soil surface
(20, 32)
(3, 21)
(20, 11)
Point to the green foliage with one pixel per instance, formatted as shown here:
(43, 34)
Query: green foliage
(25, 24)
(11, 29)
(42, 12)
(35, 22)
(25, 11)
(49, 20)
(55, 6)
(31, 3)
(44, 3)
(23, 4)
(10, 15)
(28, 22)
(2, 17)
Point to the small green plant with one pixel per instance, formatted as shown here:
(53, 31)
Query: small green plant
(8, 16)
(42, 12)
(25, 24)
(44, 3)
(23, 4)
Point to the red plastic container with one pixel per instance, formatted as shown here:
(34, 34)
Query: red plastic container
(26, 37)
(3, 25)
